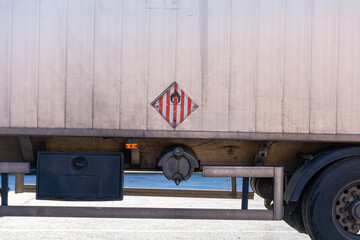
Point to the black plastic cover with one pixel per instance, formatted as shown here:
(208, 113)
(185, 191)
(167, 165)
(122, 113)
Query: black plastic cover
(80, 176)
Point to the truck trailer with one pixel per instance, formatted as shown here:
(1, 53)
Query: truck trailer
(260, 89)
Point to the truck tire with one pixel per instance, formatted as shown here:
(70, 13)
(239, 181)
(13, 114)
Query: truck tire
(293, 217)
(331, 205)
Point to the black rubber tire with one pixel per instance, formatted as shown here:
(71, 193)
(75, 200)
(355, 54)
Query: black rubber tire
(318, 200)
(293, 217)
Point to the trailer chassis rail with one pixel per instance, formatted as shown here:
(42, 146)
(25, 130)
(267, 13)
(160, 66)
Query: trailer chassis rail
(160, 213)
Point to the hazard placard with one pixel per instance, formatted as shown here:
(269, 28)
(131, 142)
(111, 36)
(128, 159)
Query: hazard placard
(174, 104)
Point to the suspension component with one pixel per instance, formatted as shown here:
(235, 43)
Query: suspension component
(178, 163)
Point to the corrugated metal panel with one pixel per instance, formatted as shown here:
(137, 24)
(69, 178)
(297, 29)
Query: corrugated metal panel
(107, 64)
(52, 63)
(162, 52)
(189, 52)
(284, 66)
(134, 64)
(216, 79)
(5, 61)
(297, 65)
(24, 63)
(80, 64)
(324, 53)
(270, 66)
(348, 85)
(242, 101)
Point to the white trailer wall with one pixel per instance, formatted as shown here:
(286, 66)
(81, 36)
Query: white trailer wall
(266, 66)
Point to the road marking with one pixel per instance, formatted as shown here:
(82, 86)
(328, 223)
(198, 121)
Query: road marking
(145, 230)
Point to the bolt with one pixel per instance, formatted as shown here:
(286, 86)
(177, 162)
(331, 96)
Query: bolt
(345, 199)
(342, 210)
(178, 152)
(353, 193)
(177, 181)
(345, 220)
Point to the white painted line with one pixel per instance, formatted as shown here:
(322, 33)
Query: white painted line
(145, 230)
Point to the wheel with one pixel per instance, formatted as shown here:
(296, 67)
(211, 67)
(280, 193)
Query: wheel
(331, 205)
(292, 213)
(293, 217)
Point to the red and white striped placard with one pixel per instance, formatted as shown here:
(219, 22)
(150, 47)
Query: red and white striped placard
(174, 105)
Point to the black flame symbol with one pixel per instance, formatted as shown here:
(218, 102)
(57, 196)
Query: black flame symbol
(175, 97)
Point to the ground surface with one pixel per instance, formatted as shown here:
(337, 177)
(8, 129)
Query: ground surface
(86, 228)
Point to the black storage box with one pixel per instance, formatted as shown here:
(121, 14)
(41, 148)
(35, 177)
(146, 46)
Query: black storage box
(80, 176)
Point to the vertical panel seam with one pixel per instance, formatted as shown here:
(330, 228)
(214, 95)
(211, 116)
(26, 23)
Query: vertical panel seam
(311, 61)
(204, 77)
(201, 49)
(256, 67)
(38, 65)
(120, 57)
(10, 61)
(309, 57)
(66, 60)
(230, 61)
(148, 12)
(176, 39)
(93, 67)
(283, 66)
(337, 62)
(62, 63)
(197, 30)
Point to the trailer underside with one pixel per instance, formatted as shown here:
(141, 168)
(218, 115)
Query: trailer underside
(296, 166)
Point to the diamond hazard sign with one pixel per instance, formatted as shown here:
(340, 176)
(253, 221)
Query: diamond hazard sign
(174, 105)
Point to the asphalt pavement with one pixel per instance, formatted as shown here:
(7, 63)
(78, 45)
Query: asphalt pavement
(31, 228)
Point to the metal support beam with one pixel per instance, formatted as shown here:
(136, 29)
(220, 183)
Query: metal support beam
(278, 193)
(263, 172)
(233, 187)
(135, 157)
(156, 192)
(4, 189)
(158, 213)
(14, 167)
(26, 148)
(5, 169)
(230, 171)
(183, 134)
(164, 213)
(245, 191)
(19, 183)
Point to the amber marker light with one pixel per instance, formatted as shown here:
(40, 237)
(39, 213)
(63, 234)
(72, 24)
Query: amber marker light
(131, 145)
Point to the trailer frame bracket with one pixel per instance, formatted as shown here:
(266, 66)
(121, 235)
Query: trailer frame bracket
(262, 172)
(158, 213)
(5, 169)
